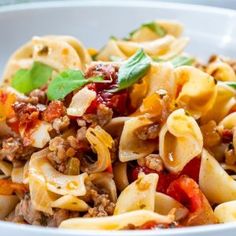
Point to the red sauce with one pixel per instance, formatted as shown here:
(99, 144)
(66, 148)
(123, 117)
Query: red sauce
(119, 101)
(3, 97)
(192, 170)
(186, 191)
(227, 136)
(54, 110)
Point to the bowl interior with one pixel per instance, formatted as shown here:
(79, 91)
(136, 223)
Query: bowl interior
(211, 30)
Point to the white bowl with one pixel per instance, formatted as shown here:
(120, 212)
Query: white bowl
(212, 30)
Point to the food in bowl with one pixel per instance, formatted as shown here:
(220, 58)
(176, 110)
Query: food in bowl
(137, 135)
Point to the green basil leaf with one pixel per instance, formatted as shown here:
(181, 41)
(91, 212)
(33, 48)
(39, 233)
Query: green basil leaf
(21, 81)
(181, 61)
(153, 26)
(27, 80)
(40, 73)
(132, 70)
(230, 84)
(65, 83)
(68, 81)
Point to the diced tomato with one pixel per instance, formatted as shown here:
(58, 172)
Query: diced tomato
(227, 136)
(154, 225)
(109, 169)
(14, 124)
(7, 187)
(54, 110)
(149, 225)
(166, 178)
(118, 102)
(186, 191)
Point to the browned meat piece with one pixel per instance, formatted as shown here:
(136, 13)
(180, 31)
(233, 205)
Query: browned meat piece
(26, 210)
(60, 215)
(37, 96)
(54, 110)
(148, 132)
(57, 156)
(25, 213)
(104, 115)
(12, 217)
(79, 142)
(12, 149)
(103, 206)
(61, 152)
(26, 112)
(108, 72)
(152, 161)
(61, 123)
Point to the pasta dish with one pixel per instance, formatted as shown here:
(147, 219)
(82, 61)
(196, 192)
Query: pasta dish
(136, 135)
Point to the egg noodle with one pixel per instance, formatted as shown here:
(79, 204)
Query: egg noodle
(137, 135)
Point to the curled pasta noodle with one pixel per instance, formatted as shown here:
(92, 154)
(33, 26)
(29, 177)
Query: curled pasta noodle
(120, 175)
(161, 76)
(71, 203)
(145, 34)
(61, 55)
(79, 47)
(59, 52)
(163, 48)
(138, 195)
(214, 181)
(80, 102)
(117, 222)
(5, 168)
(225, 99)
(221, 71)
(17, 175)
(197, 91)
(7, 204)
(174, 28)
(21, 59)
(111, 49)
(226, 212)
(180, 140)
(40, 196)
(115, 126)
(135, 148)
(229, 121)
(101, 142)
(105, 182)
(164, 204)
(55, 181)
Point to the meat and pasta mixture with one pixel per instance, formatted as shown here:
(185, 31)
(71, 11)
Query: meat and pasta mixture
(137, 135)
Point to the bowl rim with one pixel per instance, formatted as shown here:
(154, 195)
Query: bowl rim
(122, 3)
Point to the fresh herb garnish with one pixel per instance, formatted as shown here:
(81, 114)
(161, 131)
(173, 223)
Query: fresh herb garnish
(177, 61)
(132, 70)
(27, 80)
(68, 81)
(153, 26)
(182, 61)
(230, 84)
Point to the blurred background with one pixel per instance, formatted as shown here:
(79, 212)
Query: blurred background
(220, 3)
